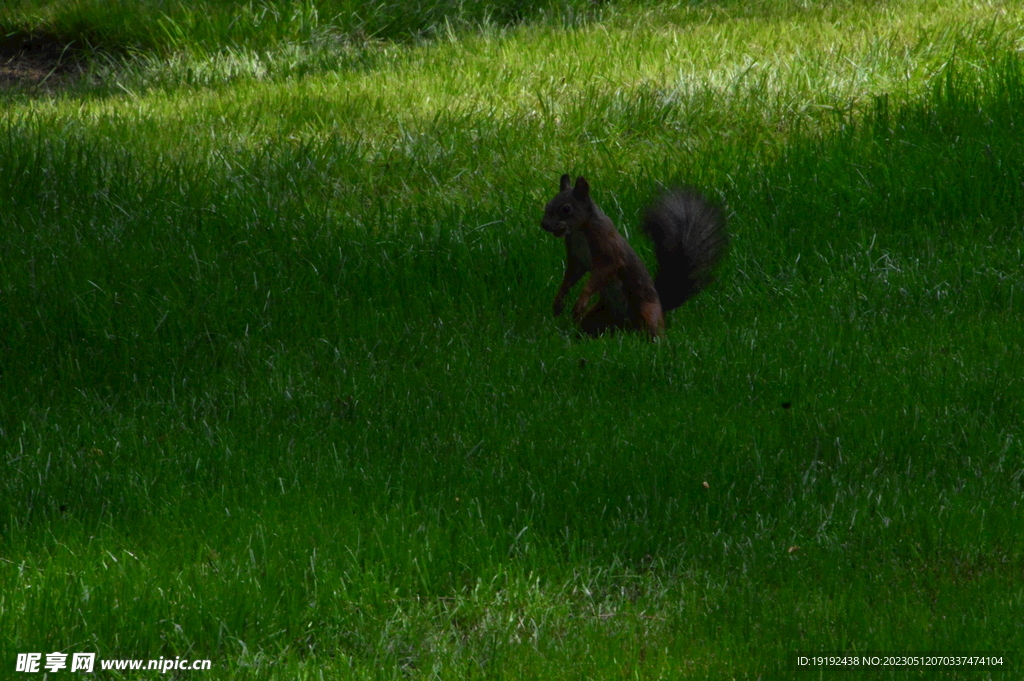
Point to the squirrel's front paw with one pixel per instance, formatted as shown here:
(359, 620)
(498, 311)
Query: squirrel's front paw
(579, 309)
(558, 306)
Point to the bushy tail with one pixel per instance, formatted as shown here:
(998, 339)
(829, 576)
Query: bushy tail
(690, 238)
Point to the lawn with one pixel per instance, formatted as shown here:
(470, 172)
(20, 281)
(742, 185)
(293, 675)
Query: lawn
(280, 387)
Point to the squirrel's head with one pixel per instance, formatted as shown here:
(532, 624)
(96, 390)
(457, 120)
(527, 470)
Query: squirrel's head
(569, 209)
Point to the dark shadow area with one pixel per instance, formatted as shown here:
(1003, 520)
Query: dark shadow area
(37, 61)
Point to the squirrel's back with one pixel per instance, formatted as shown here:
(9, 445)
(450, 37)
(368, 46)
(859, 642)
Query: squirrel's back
(690, 238)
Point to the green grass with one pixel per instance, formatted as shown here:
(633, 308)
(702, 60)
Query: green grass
(279, 384)
(200, 26)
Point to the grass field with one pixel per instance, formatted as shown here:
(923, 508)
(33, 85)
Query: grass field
(280, 386)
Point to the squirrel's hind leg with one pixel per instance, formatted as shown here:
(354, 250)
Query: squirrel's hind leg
(652, 318)
(605, 318)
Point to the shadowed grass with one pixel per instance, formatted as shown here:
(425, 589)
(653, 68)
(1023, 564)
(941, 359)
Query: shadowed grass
(288, 395)
(209, 26)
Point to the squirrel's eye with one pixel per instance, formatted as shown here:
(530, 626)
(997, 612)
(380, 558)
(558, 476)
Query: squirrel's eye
(565, 209)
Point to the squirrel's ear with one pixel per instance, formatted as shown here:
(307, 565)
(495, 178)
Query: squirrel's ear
(582, 189)
(566, 182)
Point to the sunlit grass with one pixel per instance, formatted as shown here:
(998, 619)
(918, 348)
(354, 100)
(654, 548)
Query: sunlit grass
(692, 78)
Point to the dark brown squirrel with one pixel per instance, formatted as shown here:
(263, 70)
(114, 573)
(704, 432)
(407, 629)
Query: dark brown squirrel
(689, 236)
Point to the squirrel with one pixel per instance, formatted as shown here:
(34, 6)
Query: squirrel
(689, 236)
